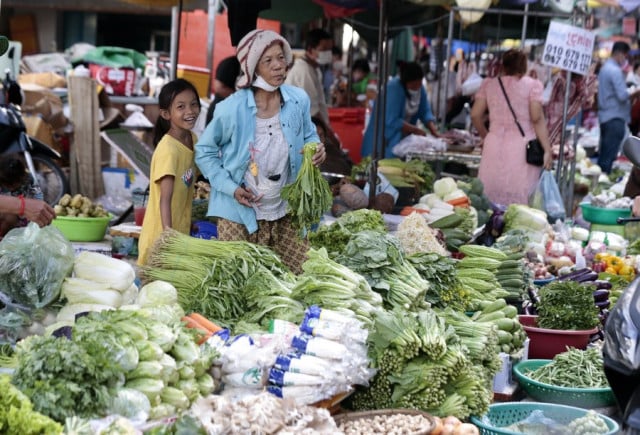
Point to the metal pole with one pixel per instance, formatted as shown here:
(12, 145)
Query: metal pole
(175, 33)
(524, 25)
(563, 133)
(211, 19)
(379, 115)
(446, 71)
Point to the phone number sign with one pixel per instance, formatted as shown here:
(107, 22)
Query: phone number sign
(568, 47)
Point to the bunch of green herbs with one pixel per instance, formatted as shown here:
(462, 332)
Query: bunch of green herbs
(567, 305)
(334, 237)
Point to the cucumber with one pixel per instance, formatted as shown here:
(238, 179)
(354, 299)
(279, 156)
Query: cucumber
(504, 337)
(512, 283)
(510, 271)
(505, 324)
(449, 221)
(496, 305)
(483, 252)
(491, 317)
(510, 311)
(505, 264)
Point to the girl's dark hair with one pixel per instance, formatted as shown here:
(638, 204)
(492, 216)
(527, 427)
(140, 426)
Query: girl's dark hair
(362, 65)
(12, 170)
(514, 62)
(409, 72)
(165, 98)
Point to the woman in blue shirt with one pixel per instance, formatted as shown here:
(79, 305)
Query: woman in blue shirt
(252, 148)
(407, 104)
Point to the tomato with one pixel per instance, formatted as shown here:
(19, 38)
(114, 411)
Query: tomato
(598, 266)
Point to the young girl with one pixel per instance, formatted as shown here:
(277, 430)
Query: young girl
(172, 165)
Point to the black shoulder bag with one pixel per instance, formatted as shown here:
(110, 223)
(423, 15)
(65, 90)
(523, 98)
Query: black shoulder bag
(535, 152)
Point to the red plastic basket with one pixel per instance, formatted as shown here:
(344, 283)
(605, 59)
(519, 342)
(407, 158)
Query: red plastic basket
(547, 343)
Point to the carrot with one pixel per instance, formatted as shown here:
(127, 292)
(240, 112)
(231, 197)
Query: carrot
(463, 201)
(205, 323)
(203, 333)
(407, 210)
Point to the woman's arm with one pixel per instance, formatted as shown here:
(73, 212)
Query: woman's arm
(478, 112)
(426, 114)
(542, 133)
(166, 193)
(33, 209)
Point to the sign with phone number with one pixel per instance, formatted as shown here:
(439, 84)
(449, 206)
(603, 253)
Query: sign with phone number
(568, 47)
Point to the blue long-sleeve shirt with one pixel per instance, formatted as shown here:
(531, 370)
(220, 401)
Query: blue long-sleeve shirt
(613, 99)
(223, 149)
(394, 117)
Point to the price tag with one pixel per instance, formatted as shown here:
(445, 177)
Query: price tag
(568, 47)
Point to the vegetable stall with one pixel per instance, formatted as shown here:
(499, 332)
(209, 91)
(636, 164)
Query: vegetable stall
(409, 322)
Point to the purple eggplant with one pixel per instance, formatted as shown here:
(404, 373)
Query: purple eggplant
(602, 284)
(575, 274)
(603, 304)
(587, 278)
(601, 295)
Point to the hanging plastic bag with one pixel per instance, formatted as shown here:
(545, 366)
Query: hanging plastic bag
(546, 197)
(621, 348)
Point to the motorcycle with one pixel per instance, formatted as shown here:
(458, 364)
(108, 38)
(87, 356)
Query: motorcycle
(47, 175)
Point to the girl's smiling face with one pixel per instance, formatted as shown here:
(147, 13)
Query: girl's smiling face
(184, 110)
(272, 66)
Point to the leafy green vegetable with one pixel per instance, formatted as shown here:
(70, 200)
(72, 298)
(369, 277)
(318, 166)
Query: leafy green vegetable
(184, 425)
(567, 305)
(335, 237)
(17, 415)
(378, 257)
(444, 288)
(65, 378)
(309, 196)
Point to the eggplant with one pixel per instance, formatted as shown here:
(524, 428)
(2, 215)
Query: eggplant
(601, 295)
(575, 274)
(603, 304)
(602, 284)
(587, 278)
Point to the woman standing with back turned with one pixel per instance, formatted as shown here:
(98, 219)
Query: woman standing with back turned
(504, 171)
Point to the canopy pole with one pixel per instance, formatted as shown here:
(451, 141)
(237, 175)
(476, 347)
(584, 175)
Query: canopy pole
(379, 115)
(211, 21)
(447, 54)
(525, 20)
(176, 13)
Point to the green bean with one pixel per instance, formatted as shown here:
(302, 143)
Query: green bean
(574, 368)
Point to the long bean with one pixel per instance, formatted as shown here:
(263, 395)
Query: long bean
(574, 368)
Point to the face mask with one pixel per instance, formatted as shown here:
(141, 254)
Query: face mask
(261, 83)
(324, 57)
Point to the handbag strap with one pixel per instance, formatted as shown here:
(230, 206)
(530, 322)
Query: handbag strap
(510, 108)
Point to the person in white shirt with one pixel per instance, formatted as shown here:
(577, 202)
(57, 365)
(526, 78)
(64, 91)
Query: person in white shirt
(306, 73)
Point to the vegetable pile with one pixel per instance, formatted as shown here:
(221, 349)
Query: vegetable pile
(574, 368)
(567, 305)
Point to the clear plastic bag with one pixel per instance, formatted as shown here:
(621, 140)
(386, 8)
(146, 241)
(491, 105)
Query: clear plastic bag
(546, 197)
(33, 263)
(621, 347)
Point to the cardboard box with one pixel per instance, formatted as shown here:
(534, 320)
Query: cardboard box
(115, 81)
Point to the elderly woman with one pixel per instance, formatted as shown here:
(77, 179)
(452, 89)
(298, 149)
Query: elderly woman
(252, 148)
(504, 171)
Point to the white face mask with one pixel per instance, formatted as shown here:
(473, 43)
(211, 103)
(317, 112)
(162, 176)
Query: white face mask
(324, 57)
(261, 83)
(414, 93)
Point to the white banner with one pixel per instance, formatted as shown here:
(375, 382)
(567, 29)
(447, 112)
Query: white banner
(568, 47)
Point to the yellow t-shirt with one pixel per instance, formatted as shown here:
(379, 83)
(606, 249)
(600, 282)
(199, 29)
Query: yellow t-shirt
(170, 157)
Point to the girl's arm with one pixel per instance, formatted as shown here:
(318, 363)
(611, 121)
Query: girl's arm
(166, 193)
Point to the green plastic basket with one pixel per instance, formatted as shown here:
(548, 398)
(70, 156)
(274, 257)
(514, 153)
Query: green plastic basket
(82, 229)
(505, 414)
(581, 397)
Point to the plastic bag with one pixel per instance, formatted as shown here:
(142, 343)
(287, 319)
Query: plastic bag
(621, 348)
(33, 263)
(546, 197)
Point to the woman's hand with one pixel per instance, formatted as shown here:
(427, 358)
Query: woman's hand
(547, 159)
(38, 211)
(320, 156)
(635, 208)
(246, 197)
